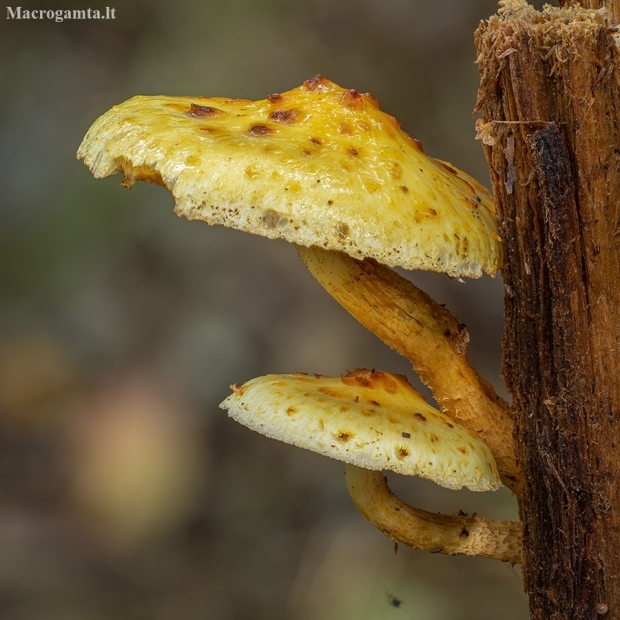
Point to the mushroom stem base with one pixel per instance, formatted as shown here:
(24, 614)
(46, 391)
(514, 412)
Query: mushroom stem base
(437, 533)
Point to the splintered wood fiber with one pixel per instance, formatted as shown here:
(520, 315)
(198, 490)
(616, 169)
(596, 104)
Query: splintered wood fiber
(549, 105)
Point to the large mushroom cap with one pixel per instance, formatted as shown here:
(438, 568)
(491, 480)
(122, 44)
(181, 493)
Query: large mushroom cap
(318, 165)
(371, 419)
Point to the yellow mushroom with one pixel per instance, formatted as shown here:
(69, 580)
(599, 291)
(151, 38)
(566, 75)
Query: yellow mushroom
(324, 167)
(372, 421)
(317, 165)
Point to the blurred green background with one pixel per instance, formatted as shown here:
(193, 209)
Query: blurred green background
(125, 493)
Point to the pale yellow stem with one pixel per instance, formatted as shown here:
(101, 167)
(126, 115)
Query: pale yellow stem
(410, 322)
(437, 533)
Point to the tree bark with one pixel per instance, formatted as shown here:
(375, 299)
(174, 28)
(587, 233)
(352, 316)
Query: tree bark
(550, 104)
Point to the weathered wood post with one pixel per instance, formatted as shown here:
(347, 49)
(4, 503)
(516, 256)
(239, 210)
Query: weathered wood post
(550, 105)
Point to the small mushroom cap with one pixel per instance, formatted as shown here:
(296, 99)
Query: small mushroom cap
(318, 165)
(371, 419)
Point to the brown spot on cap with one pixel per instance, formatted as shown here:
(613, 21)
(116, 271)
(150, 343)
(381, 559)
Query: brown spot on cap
(402, 453)
(344, 436)
(204, 111)
(291, 410)
(285, 116)
(406, 435)
(464, 533)
(352, 99)
(342, 230)
(317, 83)
(316, 140)
(274, 98)
(260, 130)
(449, 168)
(420, 416)
(237, 390)
(404, 188)
(396, 170)
(354, 152)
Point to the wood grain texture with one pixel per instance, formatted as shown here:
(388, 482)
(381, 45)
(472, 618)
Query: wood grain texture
(550, 105)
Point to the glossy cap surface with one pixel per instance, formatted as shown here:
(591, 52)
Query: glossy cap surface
(371, 419)
(317, 165)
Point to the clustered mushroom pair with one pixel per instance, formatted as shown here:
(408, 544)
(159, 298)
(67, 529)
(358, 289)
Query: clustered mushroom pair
(325, 168)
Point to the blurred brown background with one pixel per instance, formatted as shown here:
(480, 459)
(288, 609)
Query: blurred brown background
(125, 493)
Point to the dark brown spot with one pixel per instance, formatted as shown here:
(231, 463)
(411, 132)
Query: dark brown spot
(431, 212)
(204, 111)
(356, 399)
(449, 425)
(404, 188)
(463, 450)
(464, 533)
(402, 453)
(260, 130)
(317, 83)
(434, 438)
(406, 435)
(307, 152)
(420, 416)
(285, 116)
(374, 402)
(344, 436)
(274, 98)
(354, 152)
(352, 99)
(316, 141)
(330, 202)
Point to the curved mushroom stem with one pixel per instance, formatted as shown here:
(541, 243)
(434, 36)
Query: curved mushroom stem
(451, 534)
(424, 332)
